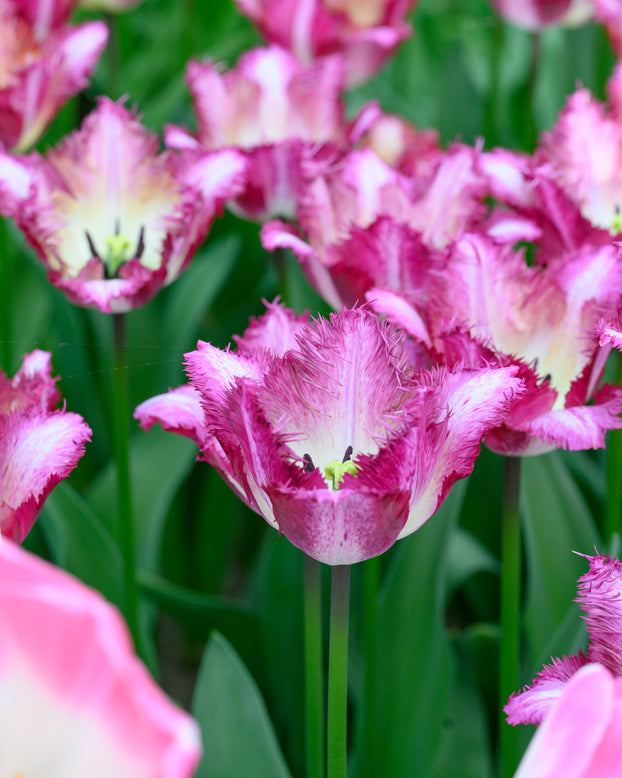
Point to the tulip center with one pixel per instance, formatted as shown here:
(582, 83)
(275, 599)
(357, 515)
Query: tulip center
(335, 470)
(118, 251)
(616, 223)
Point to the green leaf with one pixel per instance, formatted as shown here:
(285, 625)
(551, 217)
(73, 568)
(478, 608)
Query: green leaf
(401, 735)
(200, 613)
(556, 522)
(466, 556)
(159, 462)
(238, 738)
(80, 543)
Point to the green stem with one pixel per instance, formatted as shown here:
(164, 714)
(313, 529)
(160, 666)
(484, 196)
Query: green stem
(314, 675)
(371, 578)
(6, 301)
(510, 611)
(120, 412)
(337, 737)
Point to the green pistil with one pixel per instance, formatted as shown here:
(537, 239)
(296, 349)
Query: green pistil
(616, 224)
(336, 470)
(119, 248)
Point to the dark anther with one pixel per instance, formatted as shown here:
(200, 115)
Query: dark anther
(616, 209)
(117, 226)
(309, 467)
(347, 455)
(92, 248)
(141, 243)
(546, 378)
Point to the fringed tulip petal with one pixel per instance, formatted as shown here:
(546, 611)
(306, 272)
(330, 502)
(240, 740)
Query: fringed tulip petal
(67, 670)
(531, 705)
(600, 597)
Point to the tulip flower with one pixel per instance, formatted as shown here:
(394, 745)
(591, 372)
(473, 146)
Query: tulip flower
(537, 14)
(486, 303)
(364, 32)
(583, 155)
(112, 220)
(44, 62)
(74, 699)
(327, 430)
(599, 596)
(282, 115)
(39, 445)
(361, 224)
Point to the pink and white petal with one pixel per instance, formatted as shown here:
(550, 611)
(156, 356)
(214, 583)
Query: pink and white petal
(531, 705)
(179, 138)
(579, 427)
(38, 450)
(339, 527)
(75, 679)
(179, 410)
(367, 51)
(213, 372)
(570, 736)
(609, 332)
(462, 406)
(48, 84)
(275, 331)
(400, 311)
(344, 386)
(33, 386)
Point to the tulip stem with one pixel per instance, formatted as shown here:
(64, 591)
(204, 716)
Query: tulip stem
(314, 673)
(371, 578)
(510, 611)
(120, 394)
(337, 745)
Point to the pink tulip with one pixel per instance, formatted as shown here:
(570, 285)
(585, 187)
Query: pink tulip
(39, 445)
(364, 32)
(536, 14)
(68, 673)
(328, 429)
(112, 220)
(43, 63)
(284, 116)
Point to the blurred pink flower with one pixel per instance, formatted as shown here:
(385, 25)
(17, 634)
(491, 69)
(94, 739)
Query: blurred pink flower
(39, 446)
(581, 735)
(583, 155)
(536, 14)
(327, 429)
(68, 673)
(600, 597)
(112, 220)
(361, 224)
(43, 62)
(485, 303)
(280, 113)
(364, 32)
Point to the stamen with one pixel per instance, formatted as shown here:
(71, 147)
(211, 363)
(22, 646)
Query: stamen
(92, 248)
(348, 455)
(140, 246)
(309, 467)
